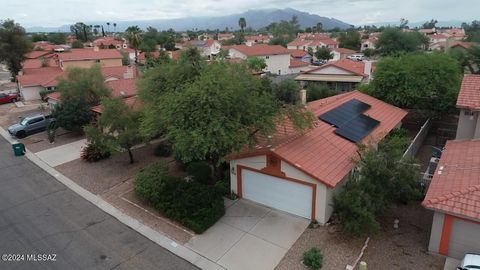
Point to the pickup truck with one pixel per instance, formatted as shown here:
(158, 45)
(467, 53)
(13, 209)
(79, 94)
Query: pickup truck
(7, 98)
(30, 125)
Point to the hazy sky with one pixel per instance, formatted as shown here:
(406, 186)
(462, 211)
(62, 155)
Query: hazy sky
(55, 13)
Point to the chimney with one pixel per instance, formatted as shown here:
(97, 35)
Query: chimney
(128, 74)
(368, 68)
(96, 49)
(303, 96)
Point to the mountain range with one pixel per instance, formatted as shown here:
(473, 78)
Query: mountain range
(255, 19)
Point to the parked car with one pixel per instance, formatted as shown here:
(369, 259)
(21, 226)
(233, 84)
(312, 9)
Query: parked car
(319, 62)
(7, 98)
(356, 57)
(470, 261)
(30, 125)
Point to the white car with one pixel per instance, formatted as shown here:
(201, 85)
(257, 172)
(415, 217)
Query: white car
(356, 57)
(470, 262)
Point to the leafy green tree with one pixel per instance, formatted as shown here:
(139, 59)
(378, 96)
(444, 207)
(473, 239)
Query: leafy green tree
(319, 27)
(287, 91)
(117, 126)
(72, 113)
(283, 31)
(242, 23)
(323, 54)
(81, 31)
(256, 64)
(84, 83)
(418, 81)
(134, 39)
(403, 23)
(394, 41)
(39, 37)
(77, 44)
(317, 91)
(369, 52)
(350, 40)
(472, 31)
(14, 44)
(57, 38)
(430, 24)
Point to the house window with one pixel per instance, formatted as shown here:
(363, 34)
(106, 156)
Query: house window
(97, 61)
(468, 113)
(267, 57)
(279, 72)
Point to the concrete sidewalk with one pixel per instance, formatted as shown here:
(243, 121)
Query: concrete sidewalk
(165, 242)
(62, 154)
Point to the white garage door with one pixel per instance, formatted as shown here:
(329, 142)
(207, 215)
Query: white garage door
(464, 238)
(277, 193)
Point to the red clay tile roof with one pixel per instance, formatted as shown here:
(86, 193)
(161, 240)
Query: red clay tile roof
(123, 87)
(469, 95)
(356, 67)
(132, 102)
(89, 54)
(455, 186)
(54, 95)
(40, 77)
(107, 41)
(343, 50)
(298, 53)
(321, 153)
(463, 44)
(261, 50)
(258, 37)
(37, 63)
(297, 63)
(116, 72)
(299, 42)
(36, 54)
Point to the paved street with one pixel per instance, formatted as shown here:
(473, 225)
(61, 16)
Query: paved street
(38, 215)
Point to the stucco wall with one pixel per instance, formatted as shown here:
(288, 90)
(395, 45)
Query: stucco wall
(436, 232)
(277, 64)
(89, 63)
(331, 71)
(467, 125)
(31, 93)
(257, 162)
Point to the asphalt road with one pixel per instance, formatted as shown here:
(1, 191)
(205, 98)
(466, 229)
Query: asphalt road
(42, 219)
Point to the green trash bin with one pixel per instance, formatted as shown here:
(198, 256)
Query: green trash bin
(18, 149)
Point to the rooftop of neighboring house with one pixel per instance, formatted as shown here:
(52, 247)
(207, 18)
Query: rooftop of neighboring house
(463, 44)
(313, 41)
(107, 41)
(356, 67)
(89, 54)
(257, 37)
(117, 72)
(225, 35)
(261, 50)
(40, 77)
(438, 36)
(37, 54)
(294, 63)
(132, 102)
(455, 186)
(469, 95)
(320, 152)
(343, 50)
(298, 53)
(47, 46)
(199, 43)
(123, 87)
(37, 63)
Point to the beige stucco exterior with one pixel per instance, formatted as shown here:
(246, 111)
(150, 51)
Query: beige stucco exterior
(468, 125)
(276, 64)
(324, 194)
(117, 62)
(31, 92)
(436, 232)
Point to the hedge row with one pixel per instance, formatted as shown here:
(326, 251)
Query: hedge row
(194, 205)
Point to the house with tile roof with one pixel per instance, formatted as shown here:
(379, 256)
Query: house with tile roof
(87, 57)
(454, 196)
(110, 43)
(299, 172)
(340, 53)
(257, 39)
(313, 42)
(276, 57)
(301, 55)
(35, 80)
(341, 75)
(208, 48)
(468, 102)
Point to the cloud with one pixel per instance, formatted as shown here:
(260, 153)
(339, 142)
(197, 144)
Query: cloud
(358, 12)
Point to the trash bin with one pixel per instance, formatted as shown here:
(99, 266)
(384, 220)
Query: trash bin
(18, 149)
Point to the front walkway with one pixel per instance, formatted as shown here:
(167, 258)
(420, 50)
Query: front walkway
(62, 154)
(249, 236)
(451, 264)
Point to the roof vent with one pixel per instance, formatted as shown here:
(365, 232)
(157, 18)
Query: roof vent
(122, 93)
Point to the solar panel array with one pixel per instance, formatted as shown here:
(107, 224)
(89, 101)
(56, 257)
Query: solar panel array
(350, 121)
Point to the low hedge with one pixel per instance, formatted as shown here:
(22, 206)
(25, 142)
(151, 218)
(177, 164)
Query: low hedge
(194, 205)
(200, 171)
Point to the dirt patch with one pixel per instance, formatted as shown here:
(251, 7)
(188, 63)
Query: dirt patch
(10, 114)
(39, 141)
(404, 248)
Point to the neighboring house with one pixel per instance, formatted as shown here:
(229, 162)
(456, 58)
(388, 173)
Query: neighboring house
(437, 38)
(37, 54)
(297, 66)
(468, 102)
(369, 43)
(340, 53)
(31, 84)
(276, 57)
(299, 173)
(457, 34)
(208, 48)
(313, 42)
(225, 36)
(342, 75)
(47, 46)
(87, 57)
(454, 196)
(301, 55)
(256, 39)
(110, 43)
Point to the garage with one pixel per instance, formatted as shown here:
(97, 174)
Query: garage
(464, 238)
(284, 194)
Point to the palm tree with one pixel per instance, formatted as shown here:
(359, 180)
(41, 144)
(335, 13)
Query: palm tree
(134, 39)
(108, 27)
(114, 27)
(242, 23)
(319, 27)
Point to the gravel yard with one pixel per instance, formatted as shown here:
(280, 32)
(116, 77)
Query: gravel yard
(404, 248)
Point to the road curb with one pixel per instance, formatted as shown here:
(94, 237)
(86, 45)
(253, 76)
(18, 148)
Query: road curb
(160, 239)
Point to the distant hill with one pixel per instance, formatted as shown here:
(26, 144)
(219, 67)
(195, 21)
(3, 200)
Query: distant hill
(255, 19)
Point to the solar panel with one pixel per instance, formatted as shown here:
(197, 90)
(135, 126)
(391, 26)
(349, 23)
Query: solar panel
(344, 113)
(357, 128)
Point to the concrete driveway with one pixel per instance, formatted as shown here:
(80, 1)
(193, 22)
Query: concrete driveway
(249, 236)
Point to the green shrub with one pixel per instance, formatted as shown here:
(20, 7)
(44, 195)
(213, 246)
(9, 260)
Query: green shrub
(94, 153)
(194, 205)
(201, 172)
(318, 91)
(224, 187)
(313, 258)
(44, 92)
(164, 149)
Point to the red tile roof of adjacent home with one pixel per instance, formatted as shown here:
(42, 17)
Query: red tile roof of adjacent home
(40, 77)
(297, 53)
(260, 50)
(356, 67)
(123, 87)
(36, 54)
(258, 37)
(133, 102)
(297, 63)
(117, 72)
(455, 186)
(469, 95)
(37, 63)
(463, 44)
(299, 42)
(89, 54)
(344, 50)
(319, 152)
(54, 95)
(107, 41)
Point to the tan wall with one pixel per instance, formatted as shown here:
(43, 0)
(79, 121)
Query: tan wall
(467, 125)
(323, 204)
(436, 232)
(31, 93)
(90, 63)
